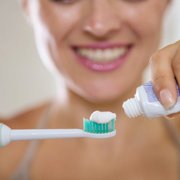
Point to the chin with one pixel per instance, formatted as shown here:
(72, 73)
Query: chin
(103, 100)
(102, 97)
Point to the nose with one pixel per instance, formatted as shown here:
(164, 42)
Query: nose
(102, 19)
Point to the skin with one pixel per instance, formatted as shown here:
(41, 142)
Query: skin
(91, 21)
(131, 154)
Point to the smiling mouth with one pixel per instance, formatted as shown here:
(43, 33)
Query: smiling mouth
(102, 57)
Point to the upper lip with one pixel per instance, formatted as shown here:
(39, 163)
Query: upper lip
(102, 45)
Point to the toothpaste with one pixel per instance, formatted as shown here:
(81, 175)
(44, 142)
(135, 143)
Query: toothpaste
(102, 117)
(146, 103)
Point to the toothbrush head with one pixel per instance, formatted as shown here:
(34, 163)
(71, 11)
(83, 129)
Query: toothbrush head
(100, 122)
(99, 130)
(94, 127)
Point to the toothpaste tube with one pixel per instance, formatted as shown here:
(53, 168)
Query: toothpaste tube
(146, 103)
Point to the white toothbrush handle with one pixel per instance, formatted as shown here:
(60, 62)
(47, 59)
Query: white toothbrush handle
(31, 134)
(7, 135)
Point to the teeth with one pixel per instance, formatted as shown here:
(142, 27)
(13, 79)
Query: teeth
(102, 55)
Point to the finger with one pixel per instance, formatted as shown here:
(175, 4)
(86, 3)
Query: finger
(163, 77)
(173, 116)
(176, 63)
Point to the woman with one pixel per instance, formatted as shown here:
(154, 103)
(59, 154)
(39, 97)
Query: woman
(100, 48)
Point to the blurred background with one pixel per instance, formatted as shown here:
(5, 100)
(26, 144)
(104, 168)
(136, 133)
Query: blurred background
(24, 81)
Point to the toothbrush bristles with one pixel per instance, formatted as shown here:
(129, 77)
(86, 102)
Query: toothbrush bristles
(99, 128)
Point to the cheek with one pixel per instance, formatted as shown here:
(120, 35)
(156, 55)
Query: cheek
(145, 23)
(146, 20)
(53, 25)
(61, 23)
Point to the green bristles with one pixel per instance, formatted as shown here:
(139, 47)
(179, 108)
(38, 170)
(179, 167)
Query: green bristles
(93, 127)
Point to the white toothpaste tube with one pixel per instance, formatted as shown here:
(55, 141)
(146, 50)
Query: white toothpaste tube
(146, 103)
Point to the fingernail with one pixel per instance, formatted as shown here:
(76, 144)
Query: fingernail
(166, 98)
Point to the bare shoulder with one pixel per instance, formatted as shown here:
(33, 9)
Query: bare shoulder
(26, 119)
(11, 155)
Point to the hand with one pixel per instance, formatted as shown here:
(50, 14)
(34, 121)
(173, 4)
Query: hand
(165, 69)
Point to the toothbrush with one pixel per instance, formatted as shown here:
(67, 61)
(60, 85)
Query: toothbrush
(91, 130)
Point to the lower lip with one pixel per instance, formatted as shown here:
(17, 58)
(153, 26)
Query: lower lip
(103, 66)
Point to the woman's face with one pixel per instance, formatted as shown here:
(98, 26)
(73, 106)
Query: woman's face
(100, 47)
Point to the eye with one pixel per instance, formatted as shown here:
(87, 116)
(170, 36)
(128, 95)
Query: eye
(135, 1)
(64, 1)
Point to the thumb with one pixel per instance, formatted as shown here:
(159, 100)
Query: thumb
(163, 77)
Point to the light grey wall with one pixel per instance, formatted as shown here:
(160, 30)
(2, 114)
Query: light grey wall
(24, 82)
(171, 30)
